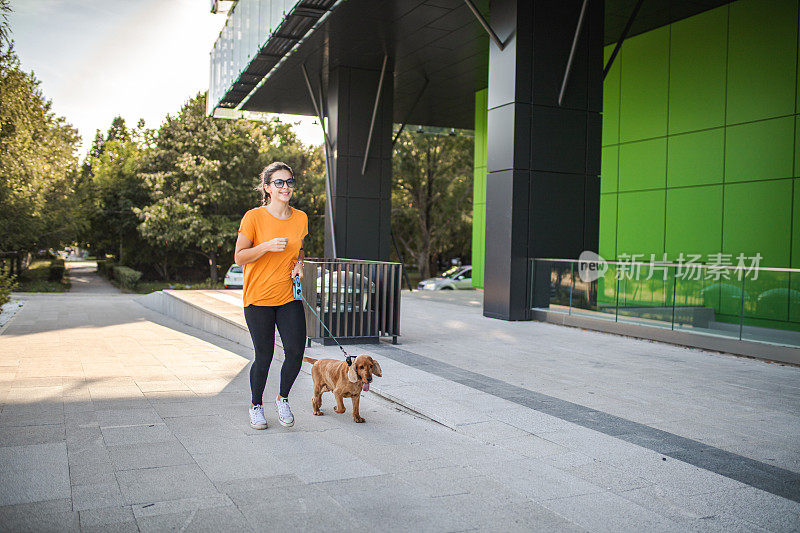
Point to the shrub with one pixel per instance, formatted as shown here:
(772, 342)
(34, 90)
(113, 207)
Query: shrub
(7, 284)
(127, 277)
(105, 268)
(56, 270)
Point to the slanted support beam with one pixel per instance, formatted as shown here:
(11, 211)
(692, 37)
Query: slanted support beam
(572, 53)
(374, 113)
(328, 154)
(316, 107)
(622, 38)
(485, 24)
(411, 110)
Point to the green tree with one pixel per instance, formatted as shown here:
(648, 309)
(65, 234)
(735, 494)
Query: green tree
(201, 175)
(38, 164)
(432, 197)
(113, 190)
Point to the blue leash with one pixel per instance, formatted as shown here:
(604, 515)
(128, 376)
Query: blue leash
(298, 295)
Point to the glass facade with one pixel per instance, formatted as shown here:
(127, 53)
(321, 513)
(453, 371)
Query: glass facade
(249, 26)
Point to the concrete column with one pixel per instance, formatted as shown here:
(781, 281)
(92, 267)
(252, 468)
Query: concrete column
(543, 160)
(361, 203)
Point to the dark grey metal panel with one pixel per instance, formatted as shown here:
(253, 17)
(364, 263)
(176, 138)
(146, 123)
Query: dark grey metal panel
(505, 278)
(548, 205)
(361, 202)
(558, 140)
(510, 148)
(556, 214)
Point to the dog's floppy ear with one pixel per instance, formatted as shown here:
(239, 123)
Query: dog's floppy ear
(351, 373)
(376, 368)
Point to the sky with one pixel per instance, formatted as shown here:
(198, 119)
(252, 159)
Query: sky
(98, 59)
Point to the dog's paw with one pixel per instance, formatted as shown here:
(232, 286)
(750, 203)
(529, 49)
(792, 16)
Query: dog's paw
(359, 420)
(318, 413)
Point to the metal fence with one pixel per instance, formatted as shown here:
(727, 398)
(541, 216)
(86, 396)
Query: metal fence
(359, 301)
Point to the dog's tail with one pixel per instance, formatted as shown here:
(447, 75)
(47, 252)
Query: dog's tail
(310, 360)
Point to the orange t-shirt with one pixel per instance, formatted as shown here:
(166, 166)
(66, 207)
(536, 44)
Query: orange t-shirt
(268, 279)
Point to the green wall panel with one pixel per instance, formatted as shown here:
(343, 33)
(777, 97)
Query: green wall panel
(760, 150)
(643, 165)
(478, 244)
(479, 185)
(762, 59)
(695, 158)
(643, 101)
(608, 226)
(608, 169)
(694, 221)
(757, 219)
(796, 226)
(794, 303)
(697, 80)
(479, 188)
(797, 144)
(640, 223)
(611, 99)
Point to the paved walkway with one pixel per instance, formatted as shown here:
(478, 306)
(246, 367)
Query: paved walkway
(84, 279)
(116, 417)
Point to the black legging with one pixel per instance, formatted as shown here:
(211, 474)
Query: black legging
(261, 320)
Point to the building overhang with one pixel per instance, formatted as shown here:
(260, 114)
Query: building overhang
(438, 45)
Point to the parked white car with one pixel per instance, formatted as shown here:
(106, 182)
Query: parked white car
(234, 278)
(457, 277)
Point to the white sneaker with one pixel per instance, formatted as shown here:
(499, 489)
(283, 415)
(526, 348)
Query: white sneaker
(257, 419)
(285, 416)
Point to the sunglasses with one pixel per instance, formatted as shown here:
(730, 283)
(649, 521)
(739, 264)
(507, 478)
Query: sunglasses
(291, 182)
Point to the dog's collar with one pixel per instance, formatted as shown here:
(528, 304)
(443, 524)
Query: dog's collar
(349, 360)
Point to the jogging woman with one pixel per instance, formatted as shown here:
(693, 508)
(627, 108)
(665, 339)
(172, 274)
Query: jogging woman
(270, 248)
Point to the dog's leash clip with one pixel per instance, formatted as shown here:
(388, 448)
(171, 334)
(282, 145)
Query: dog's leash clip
(349, 360)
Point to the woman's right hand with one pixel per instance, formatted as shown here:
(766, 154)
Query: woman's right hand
(278, 244)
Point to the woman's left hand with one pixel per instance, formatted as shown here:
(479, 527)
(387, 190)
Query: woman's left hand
(297, 270)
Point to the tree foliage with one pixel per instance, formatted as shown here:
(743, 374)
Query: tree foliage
(38, 164)
(201, 174)
(112, 189)
(432, 198)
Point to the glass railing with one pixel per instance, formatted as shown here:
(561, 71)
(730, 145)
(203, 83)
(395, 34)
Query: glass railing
(740, 302)
(249, 25)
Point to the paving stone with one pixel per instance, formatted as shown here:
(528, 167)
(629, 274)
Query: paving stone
(181, 505)
(227, 518)
(230, 467)
(35, 472)
(22, 435)
(537, 480)
(128, 417)
(149, 455)
(257, 486)
(531, 446)
(106, 516)
(100, 472)
(45, 516)
(164, 483)
(618, 514)
(119, 436)
(96, 496)
(301, 508)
